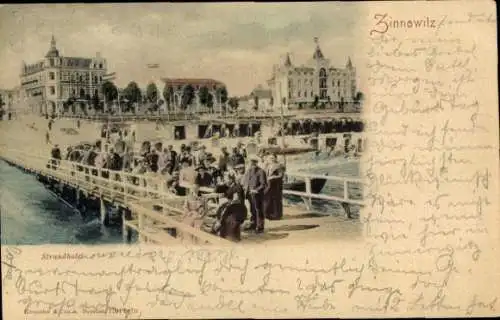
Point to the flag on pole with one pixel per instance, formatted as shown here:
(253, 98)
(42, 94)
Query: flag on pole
(153, 65)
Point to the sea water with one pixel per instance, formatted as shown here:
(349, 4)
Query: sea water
(32, 215)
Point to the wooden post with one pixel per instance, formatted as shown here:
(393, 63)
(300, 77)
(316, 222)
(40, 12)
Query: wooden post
(308, 192)
(346, 190)
(104, 212)
(77, 197)
(140, 220)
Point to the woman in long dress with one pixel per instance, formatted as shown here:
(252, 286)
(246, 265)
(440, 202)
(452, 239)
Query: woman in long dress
(273, 196)
(195, 211)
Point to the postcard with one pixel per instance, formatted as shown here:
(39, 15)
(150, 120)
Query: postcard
(249, 160)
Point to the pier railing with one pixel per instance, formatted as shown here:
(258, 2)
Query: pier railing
(143, 192)
(137, 192)
(153, 186)
(193, 115)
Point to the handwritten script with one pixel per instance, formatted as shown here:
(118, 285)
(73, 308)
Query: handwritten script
(430, 191)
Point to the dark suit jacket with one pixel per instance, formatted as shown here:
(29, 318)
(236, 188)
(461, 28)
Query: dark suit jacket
(256, 180)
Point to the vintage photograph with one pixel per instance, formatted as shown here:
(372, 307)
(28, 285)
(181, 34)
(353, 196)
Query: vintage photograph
(165, 124)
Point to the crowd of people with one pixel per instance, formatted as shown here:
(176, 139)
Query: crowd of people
(247, 183)
(190, 171)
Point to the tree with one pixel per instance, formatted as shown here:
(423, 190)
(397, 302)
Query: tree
(1, 107)
(187, 96)
(256, 102)
(221, 93)
(204, 94)
(168, 93)
(109, 90)
(233, 103)
(96, 103)
(359, 97)
(210, 101)
(315, 102)
(85, 103)
(341, 104)
(152, 93)
(132, 92)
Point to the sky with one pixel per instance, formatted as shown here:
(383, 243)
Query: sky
(236, 43)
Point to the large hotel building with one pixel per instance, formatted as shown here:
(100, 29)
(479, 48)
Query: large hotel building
(300, 86)
(50, 82)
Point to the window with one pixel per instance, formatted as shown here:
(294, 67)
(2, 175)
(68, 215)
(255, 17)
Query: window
(52, 90)
(52, 76)
(298, 94)
(100, 65)
(51, 61)
(323, 78)
(312, 94)
(305, 94)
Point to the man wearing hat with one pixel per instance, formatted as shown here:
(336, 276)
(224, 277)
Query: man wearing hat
(254, 186)
(202, 155)
(223, 159)
(56, 156)
(236, 158)
(203, 178)
(172, 155)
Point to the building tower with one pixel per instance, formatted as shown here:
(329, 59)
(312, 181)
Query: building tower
(52, 90)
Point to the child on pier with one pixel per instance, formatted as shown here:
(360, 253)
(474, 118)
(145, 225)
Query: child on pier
(195, 208)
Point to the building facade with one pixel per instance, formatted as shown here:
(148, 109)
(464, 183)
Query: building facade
(176, 89)
(49, 83)
(315, 82)
(259, 99)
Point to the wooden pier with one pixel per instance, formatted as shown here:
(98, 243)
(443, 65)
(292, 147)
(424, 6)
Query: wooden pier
(155, 214)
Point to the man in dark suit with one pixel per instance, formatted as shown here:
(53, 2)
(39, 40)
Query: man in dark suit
(254, 185)
(172, 156)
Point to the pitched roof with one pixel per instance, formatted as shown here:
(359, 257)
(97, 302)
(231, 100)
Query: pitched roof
(261, 93)
(191, 81)
(76, 62)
